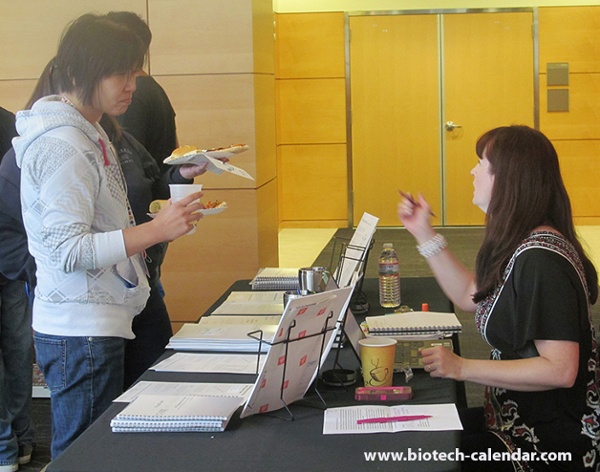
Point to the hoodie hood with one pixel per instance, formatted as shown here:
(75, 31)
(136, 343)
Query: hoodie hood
(47, 114)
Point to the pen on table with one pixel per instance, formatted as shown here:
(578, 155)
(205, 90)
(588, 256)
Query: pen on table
(413, 201)
(390, 419)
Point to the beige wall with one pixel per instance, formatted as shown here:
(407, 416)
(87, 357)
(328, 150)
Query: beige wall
(216, 62)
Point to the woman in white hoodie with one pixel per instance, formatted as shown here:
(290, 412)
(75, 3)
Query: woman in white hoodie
(91, 278)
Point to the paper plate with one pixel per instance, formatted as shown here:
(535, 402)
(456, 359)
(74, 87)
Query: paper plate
(199, 156)
(214, 211)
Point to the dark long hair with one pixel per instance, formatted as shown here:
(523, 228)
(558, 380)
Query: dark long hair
(528, 192)
(94, 47)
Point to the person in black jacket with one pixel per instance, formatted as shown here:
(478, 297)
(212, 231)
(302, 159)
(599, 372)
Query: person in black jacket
(15, 261)
(7, 130)
(16, 343)
(150, 118)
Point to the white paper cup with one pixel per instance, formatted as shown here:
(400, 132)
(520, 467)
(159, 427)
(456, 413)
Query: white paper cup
(179, 191)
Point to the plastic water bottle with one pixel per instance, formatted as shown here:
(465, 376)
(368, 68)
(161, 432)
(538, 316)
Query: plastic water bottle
(389, 277)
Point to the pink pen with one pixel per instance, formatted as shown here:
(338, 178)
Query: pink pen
(389, 419)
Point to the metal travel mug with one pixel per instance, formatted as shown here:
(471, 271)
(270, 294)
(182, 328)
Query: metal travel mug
(313, 279)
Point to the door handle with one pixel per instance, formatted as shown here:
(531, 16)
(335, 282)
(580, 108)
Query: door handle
(451, 126)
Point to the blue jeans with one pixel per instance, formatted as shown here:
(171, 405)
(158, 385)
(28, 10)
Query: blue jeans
(16, 361)
(84, 375)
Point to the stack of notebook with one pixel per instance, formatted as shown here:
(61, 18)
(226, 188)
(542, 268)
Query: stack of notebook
(213, 337)
(176, 413)
(413, 323)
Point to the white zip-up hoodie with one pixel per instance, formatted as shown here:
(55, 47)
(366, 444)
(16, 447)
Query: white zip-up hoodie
(75, 207)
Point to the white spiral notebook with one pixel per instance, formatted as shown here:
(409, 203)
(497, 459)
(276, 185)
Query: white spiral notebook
(276, 278)
(176, 413)
(221, 337)
(413, 322)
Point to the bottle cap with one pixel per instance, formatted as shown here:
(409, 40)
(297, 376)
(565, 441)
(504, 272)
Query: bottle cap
(388, 245)
(424, 306)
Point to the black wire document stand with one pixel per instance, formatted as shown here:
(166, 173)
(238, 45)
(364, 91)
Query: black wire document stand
(287, 342)
(303, 340)
(339, 376)
(351, 254)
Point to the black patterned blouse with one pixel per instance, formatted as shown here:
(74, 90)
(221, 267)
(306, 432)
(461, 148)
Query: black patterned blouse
(544, 295)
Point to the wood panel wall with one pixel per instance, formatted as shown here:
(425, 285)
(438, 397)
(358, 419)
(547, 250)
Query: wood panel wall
(311, 120)
(570, 35)
(216, 63)
(311, 115)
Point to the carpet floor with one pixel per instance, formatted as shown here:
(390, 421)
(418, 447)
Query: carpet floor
(40, 414)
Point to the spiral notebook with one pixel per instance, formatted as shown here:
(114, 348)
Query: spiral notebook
(276, 278)
(176, 413)
(221, 337)
(413, 322)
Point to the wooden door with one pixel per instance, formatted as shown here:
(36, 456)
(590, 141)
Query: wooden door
(409, 75)
(488, 82)
(395, 112)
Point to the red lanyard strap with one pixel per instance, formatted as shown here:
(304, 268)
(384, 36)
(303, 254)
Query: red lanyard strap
(104, 155)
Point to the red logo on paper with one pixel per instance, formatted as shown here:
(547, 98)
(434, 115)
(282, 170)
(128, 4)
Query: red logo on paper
(264, 408)
(301, 334)
(301, 311)
(280, 332)
(285, 384)
(323, 310)
(302, 360)
(263, 384)
(281, 360)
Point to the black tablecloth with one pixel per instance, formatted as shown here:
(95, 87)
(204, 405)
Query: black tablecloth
(272, 442)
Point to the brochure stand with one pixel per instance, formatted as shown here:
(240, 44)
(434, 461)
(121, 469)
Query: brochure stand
(287, 342)
(303, 340)
(338, 376)
(349, 254)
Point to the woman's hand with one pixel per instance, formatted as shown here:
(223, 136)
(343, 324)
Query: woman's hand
(457, 282)
(171, 222)
(189, 171)
(178, 218)
(416, 217)
(441, 362)
(556, 366)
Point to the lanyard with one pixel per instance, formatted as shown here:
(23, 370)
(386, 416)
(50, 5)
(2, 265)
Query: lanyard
(104, 154)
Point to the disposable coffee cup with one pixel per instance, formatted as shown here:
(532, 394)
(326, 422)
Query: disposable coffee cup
(180, 191)
(377, 355)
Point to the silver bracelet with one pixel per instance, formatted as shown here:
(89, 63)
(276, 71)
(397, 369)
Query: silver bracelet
(432, 247)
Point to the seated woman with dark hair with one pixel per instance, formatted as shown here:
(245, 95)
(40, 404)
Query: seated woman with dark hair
(531, 293)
